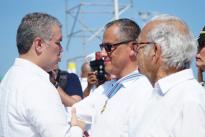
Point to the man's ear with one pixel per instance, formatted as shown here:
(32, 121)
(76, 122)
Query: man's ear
(157, 53)
(133, 52)
(38, 45)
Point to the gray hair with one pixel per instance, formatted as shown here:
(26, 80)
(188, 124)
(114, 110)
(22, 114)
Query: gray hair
(178, 45)
(129, 29)
(34, 25)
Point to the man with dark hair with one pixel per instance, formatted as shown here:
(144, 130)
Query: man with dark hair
(117, 104)
(200, 57)
(29, 104)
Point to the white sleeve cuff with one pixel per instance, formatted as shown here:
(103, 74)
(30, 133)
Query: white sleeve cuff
(76, 131)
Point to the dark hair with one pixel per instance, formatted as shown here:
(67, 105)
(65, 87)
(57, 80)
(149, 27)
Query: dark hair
(201, 39)
(34, 25)
(60, 79)
(129, 29)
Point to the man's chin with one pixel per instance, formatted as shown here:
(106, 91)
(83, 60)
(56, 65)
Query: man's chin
(108, 69)
(59, 59)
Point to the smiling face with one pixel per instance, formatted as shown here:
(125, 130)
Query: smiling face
(118, 61)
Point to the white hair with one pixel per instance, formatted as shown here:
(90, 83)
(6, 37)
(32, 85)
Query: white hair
(178, 45)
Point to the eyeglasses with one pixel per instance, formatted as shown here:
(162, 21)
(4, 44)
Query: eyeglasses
(138, 47)
(109, 48)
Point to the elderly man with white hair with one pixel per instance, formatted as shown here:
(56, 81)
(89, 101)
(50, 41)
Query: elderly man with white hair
(165, 50)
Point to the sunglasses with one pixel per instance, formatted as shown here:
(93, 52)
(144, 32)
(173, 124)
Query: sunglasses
(109, 48)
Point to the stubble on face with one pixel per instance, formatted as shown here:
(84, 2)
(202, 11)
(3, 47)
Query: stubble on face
(54, 50)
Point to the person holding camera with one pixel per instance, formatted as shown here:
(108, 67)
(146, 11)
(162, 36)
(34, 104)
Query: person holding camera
(88, 79)
(95, 74)
(200, 57)
(30, 105)
(116, 105)
(85, 69)
(92, 83)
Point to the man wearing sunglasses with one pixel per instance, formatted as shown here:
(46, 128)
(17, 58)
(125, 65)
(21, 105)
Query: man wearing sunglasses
(117, 104)
(165, 50)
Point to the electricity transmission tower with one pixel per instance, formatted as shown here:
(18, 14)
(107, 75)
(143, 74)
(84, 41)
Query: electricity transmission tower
(84, 23)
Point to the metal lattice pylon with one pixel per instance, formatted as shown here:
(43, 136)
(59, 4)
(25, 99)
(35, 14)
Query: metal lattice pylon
(80, 29)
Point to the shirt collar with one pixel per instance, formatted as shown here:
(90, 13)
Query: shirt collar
(125, 84)
(166, 83)
(31, 67)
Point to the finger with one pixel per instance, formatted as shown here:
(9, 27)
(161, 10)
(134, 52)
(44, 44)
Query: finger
(73, 117)
(91, 73)
(73, 111)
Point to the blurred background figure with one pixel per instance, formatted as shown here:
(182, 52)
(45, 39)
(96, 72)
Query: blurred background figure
(88, 81)
(85, 69)
(200, 57)
(68, 86)
(93, 73)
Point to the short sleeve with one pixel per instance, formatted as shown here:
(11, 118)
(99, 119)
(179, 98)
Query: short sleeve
(73, 86)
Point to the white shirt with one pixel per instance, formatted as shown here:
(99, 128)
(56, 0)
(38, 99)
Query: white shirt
(30, 106)
(84, 84)
(177, 108)
(122, 111)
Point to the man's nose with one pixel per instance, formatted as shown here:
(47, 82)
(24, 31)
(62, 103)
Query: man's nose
(103, 52)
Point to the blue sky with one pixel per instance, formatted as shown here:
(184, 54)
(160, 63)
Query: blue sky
(11, 12)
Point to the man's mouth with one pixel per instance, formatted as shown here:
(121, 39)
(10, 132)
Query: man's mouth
(59, 57)
(106, 60)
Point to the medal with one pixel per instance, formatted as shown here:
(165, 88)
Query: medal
(104, 106)
(117, 85)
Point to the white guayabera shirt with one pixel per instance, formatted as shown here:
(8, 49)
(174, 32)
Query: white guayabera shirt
(123, 110)
(177, 108)
(30, 106)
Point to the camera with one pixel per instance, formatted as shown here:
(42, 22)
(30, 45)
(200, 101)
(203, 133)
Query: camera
(62, 78)
(98, 65)
(58, 78)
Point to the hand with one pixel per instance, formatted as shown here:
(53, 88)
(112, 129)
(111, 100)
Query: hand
(92, 79)
(75, 121)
